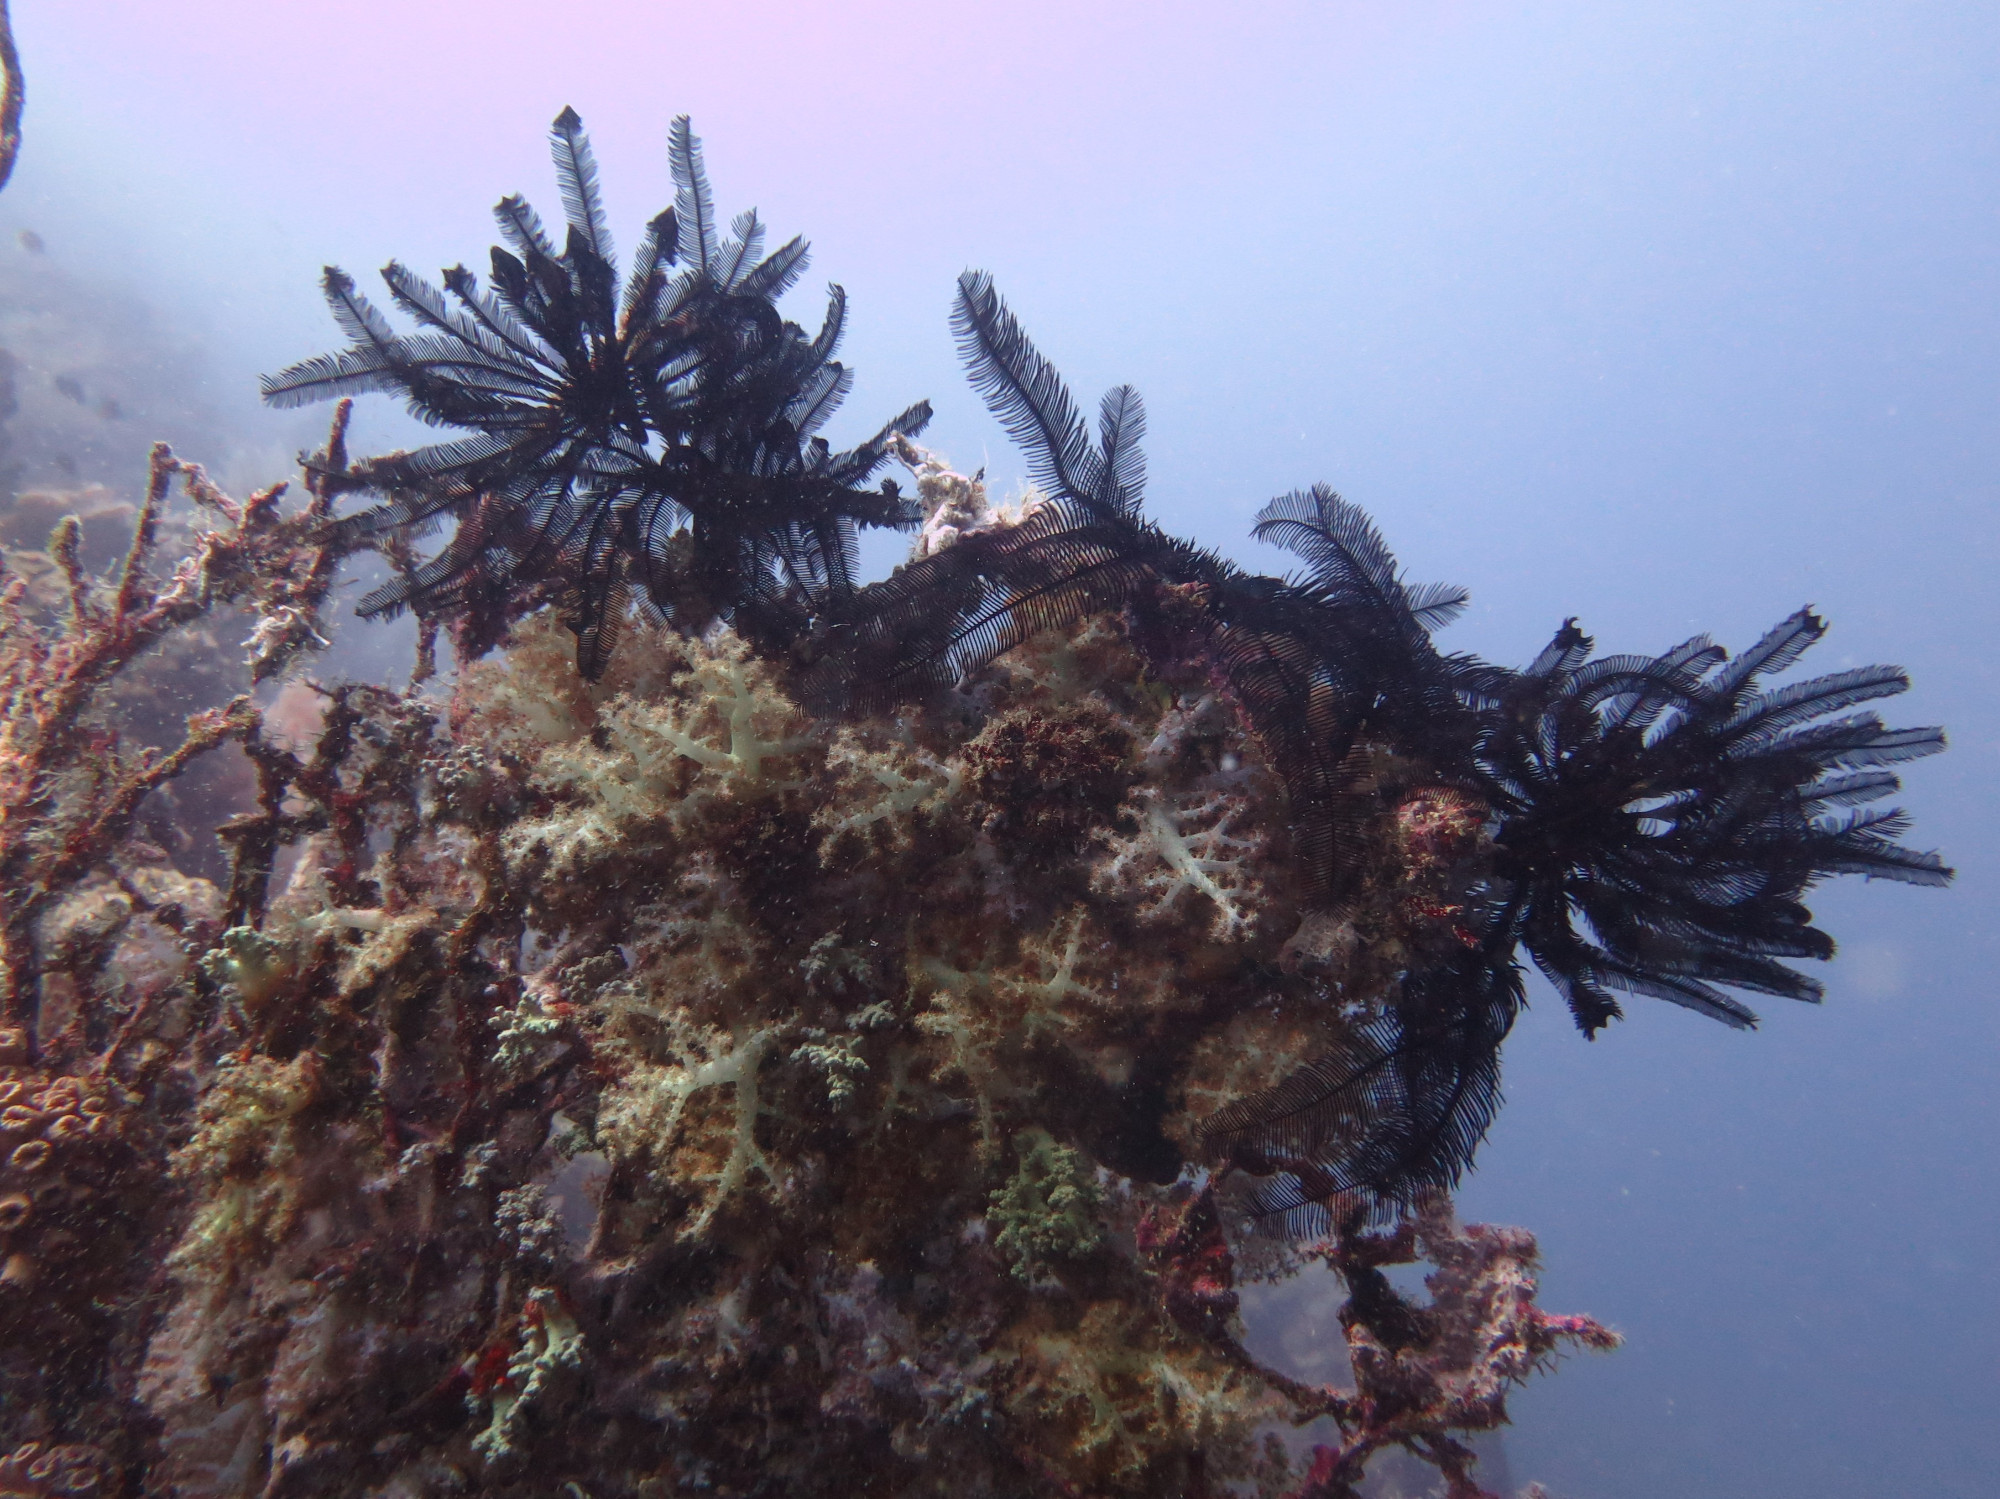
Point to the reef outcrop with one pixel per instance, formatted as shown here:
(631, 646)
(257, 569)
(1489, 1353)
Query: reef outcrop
(643, 1087)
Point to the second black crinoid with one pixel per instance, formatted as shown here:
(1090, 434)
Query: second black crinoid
(1654, 823)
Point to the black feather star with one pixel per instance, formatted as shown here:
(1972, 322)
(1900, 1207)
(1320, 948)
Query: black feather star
(1658, 821)
(1661, 819)
(655, 448)
(1083, 549)
(1396, 1112)
(1316, 662)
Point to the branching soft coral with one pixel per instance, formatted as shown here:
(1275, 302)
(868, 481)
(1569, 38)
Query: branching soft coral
(1183, 852)
(960, 1013)
(239, 1163)
(838, 1087)
(717, 736)
(888, 787)
(739, 705)
(642, 1117)
(1053, 961)
(1138, 1407)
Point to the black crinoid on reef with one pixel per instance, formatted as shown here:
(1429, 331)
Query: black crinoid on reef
(1656, 822)
(650, 449)
(1653, 823)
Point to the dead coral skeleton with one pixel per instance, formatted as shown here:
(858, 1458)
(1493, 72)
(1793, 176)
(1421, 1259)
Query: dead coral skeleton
(1424, 1372)
(68, 788)
(955, 505)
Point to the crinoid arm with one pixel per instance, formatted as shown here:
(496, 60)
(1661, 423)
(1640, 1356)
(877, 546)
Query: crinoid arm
(1397, 1111)
(1084, 547)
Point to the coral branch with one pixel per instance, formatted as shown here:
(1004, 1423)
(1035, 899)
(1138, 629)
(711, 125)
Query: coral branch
(13, 96)
(1423, 1373)
(68, 790)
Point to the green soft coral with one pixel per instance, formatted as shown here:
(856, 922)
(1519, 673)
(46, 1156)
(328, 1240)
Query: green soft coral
(551, 1345)
(1047, 1211)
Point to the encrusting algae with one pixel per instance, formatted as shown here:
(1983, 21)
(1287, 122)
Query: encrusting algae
(752, 1033)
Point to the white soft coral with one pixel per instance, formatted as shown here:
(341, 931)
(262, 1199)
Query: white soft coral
(961, 1014)
(735, 699)
(1185, 850)
(642, 1115)
(649, 759)
(882, 790)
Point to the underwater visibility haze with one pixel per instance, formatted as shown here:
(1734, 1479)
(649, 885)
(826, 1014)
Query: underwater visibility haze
(835, 974)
